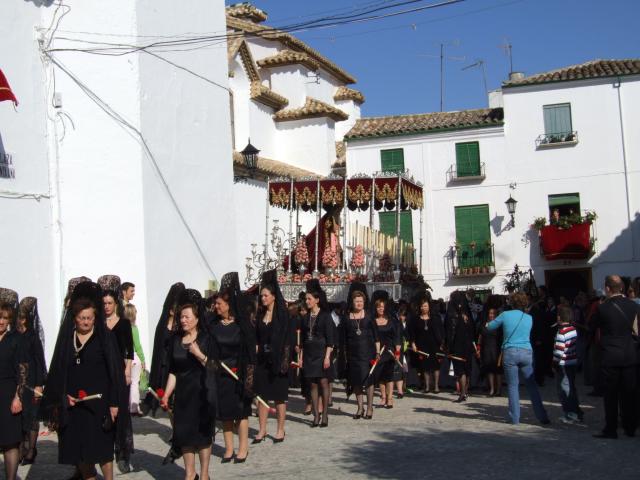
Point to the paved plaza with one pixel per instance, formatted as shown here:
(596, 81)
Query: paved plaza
(424, 436)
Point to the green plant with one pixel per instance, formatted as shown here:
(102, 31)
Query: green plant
(539, 223)
(590, 217)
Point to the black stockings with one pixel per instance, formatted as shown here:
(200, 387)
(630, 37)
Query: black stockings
(324, 386)
(359, 392)
(11, 461)
(28, 447)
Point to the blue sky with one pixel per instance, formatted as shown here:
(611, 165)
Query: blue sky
(392, 58)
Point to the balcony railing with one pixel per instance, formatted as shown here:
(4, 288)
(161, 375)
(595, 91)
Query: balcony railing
(546, 140)
(575, 242)
(453, 175)
(471, 260)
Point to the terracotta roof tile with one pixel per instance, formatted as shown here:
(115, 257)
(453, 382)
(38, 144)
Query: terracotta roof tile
(289, 57)
(425, 123)
(263, 94)
(272, 168)
(312, 109)
(341, 155)
(289, 41)
(247, 11)
(583, 71)
(346, 93)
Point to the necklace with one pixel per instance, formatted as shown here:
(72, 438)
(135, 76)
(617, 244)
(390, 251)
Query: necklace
(227, 321)
(312, 323)
(77, 348)
(358, 331)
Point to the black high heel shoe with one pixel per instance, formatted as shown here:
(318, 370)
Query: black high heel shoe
(324, 424)
(241, 460)
(30, 461)
(257, 440)
(279, 440)
(358, 414)
(228, 459)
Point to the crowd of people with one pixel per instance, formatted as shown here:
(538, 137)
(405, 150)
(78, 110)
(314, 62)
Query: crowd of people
(214, 359)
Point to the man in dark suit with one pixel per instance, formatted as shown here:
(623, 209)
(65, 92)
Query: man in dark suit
(617, 320)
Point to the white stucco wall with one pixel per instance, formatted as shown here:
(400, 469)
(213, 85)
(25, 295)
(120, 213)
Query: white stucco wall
(308, 144)
(594, 168)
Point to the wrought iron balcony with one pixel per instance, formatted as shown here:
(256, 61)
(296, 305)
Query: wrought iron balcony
(471, 260)
(559, 139)
(453, 175)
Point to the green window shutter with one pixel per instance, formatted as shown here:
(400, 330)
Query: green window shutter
(557, 119)
(392, 160)
(472, 225)
(388, 225)
(468, 159)
(564, 199)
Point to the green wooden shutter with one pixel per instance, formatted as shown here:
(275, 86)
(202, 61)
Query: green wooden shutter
(468, 159)
(472, 225)
(392, 160)
(388, 225)
(557, 119)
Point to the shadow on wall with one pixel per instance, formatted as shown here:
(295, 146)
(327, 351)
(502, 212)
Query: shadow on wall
(41, 3)
(621, 249)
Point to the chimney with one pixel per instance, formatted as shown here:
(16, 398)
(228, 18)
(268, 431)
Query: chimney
(495, 99)
(515, 76)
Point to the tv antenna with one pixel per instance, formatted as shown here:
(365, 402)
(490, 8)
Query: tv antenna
(443, 57)
(480, 65)
(508, 50)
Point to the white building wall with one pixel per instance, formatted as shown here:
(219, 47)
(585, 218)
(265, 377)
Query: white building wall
(289, 81)
(307, 144)
(352, 109)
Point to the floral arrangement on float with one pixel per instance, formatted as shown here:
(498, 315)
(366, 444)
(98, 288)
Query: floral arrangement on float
(301, 254)
(330, 259)
(357, 260)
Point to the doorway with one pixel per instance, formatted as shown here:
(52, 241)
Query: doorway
(567, 283)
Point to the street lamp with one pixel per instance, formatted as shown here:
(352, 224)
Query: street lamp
(511, 208)
(250, 155)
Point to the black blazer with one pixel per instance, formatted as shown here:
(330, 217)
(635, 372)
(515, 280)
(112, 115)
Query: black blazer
(614, 317)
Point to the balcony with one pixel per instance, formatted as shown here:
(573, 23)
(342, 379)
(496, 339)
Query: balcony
(455, 176)
(573, 243)
(467, 261)
(561, 139)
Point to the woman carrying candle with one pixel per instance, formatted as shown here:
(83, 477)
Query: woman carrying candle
(426, 333)
(389, 338)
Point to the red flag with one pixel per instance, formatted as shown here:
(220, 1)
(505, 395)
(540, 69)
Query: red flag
(5, 90)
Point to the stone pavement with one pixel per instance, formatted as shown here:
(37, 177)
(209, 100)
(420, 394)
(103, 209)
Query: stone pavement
(424, 436)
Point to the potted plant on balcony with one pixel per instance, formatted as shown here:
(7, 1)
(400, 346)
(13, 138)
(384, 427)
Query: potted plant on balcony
(539, 223)
(590, 217)
(473, 244)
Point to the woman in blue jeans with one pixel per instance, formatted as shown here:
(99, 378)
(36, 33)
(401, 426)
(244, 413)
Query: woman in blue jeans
(517, 356)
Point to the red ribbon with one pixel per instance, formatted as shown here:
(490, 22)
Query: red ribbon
(81, 394)
(160, 393)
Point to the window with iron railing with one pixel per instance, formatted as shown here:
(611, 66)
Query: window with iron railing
(6, 166)
(558, 126)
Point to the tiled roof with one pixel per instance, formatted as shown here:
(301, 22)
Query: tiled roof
(289, 57)
(289, 41)
(312, 109)
(425, 123)
(341, 155)
(238, 45)
(583, 71)
(263, 94)
(247, 11)
(272, 168)
(346, 93)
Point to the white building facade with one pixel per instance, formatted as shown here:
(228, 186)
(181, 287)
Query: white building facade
(559, 140)
(123, 164)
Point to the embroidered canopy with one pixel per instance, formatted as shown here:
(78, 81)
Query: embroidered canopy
(359, 192)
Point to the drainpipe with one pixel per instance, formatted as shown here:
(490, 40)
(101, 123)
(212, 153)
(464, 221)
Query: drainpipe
(618, 86)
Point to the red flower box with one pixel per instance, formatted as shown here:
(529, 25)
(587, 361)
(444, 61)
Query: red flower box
(571, 243)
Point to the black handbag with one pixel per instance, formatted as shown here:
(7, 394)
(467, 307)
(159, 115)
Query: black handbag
(107, 423)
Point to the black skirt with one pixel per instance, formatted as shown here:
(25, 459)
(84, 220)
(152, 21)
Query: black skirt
(83, 440)
(313, 360)
(270, 386)
(11, 430)
(232, 404)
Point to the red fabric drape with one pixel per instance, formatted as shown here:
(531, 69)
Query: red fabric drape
(574, 242)
(5, 90)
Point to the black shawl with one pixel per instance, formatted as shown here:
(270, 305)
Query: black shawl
(281, 337)
(54, 405)
(159, 358)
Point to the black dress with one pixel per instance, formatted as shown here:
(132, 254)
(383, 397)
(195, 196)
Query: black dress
(490, 349)
(268, 385)
(193, 421)
(124, 439)
(318, 333)
(428, 336)
(233, 404)
(389, 335)
(83, 439)
(36, 378)
(13, 371)
(160, 358)
(360, 348)
(460, 338)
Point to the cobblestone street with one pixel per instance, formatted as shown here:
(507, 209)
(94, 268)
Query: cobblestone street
(424, 436)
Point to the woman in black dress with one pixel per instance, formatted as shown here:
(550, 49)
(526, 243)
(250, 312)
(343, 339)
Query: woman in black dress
(389, 337)
(275, 339)
(360, 348)
(426, 333)
(192, 378)
(86, 361)
(29, 327)
(460, 333)
(235, 340)
(121, 328)
(490, 345)
(319, 338)
(14, 369)
(401, 369)
(165, 329)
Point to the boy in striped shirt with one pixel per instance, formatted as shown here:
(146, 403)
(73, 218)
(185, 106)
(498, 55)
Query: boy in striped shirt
(565, 358)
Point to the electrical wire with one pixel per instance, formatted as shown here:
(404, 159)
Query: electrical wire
(143, 142)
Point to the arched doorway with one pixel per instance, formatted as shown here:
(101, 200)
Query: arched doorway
(567, 283)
